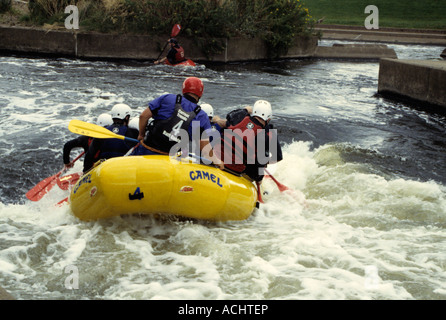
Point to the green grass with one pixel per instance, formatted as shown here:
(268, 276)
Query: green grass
(422, 14)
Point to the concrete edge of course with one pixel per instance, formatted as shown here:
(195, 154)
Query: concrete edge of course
(142, 47)
(421, 81)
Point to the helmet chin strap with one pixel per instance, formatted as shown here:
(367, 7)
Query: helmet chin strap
(262, 122)
(121, 121)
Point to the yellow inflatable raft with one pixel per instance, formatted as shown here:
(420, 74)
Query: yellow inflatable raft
(162, 185)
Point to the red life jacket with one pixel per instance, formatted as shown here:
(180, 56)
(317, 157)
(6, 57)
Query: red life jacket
(179, 56)
(96, 156)
(240, 142)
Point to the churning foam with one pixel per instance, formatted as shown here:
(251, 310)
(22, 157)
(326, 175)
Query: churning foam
(344, 233)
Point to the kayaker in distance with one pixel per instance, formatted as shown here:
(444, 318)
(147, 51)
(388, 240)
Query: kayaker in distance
(175, 54)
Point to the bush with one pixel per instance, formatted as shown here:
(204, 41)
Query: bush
(48, 11)
(285, 19)
(278, 22)
(5, 5)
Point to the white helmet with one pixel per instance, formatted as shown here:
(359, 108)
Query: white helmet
(206, 107)
(120, 111)
(262, 109)
(104, 120)
(134, 123)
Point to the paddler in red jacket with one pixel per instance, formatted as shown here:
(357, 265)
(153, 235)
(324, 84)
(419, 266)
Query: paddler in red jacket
(249, 141)
(175, 54)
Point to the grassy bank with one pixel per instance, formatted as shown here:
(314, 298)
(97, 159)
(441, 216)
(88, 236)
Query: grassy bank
(421, 14)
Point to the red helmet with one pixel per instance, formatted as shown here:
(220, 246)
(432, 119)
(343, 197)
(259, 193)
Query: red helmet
(193, 85)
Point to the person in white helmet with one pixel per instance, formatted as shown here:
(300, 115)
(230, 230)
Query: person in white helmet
(249, 141)
(214, 120)
(206, 107)
(110, 148)
(104, 120)
(83, 142)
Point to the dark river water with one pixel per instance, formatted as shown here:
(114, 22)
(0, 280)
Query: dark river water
(372, 172)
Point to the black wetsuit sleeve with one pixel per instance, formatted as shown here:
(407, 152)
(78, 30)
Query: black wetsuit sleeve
(279, 151)
(274, 135)
(236, 116)
(256, 171)
(95, 146)
(132, 133)
(79, 142)
(171, 56)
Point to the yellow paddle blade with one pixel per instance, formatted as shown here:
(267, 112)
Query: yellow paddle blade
(95, 131)
(92, 130)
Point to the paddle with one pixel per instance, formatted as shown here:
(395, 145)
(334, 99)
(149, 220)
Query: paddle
(66, 181)
(175, 30)
(259, 192)
(298, 195)
(61, 202)
(42, 188)
(95, 131)
(281, 187)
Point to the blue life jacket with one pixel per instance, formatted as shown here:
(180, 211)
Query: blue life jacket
(216, 127)
(163, 134)
(215, 130)
(114, 147)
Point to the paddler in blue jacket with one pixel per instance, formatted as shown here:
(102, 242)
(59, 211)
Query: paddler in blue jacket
(175, 116)
(110, 148)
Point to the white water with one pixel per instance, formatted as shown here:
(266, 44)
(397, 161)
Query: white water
(349, 230)
(359, 236)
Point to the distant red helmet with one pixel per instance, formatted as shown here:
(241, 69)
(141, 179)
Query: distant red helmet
(193, 85)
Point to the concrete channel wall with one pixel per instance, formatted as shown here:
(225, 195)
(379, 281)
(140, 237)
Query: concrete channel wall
(355, 51)
(143, 47)
(383, 35)
(418, 80)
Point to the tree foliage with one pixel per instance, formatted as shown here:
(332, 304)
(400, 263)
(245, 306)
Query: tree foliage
(278, 22)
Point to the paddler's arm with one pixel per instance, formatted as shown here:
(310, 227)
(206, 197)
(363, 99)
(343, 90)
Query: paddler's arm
(143, 120)
(223, 123)
(160, 60)
(207, 152)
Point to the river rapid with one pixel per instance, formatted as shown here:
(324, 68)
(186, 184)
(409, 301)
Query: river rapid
(366, 218)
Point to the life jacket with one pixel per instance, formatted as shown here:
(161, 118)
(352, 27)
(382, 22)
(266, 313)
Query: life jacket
(242, 147)
(164, 134)
(111, 148)
(96, 156)
(179, 55)
(216, 132)
(215, 127)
